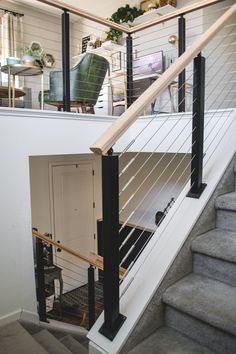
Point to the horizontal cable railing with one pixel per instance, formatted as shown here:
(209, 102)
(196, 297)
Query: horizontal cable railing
(109, 138)
(69, 287)
(165, 151)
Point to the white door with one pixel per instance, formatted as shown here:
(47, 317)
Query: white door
(72, 193)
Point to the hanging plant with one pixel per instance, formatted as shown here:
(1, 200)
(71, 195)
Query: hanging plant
(122, 15)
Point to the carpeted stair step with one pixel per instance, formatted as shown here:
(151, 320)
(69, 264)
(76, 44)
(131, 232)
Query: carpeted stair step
(215, 255)
(76, 332)
(14, 339)
(204, 310)
(168, 341)
(226, 211)
(50, 343)
(73, 345)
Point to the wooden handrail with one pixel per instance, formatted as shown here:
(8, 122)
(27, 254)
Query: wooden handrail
(124, 28)
(182, 11)
(94, 260)
(85, 14)
(117, 129)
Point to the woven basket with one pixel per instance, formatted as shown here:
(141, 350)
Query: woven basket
(161, 3)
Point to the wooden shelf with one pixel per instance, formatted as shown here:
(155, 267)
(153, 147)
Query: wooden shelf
(151, 15)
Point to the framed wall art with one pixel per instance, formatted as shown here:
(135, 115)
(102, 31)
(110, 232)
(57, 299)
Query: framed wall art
(48, 60)
(116, 61)
(85, 41)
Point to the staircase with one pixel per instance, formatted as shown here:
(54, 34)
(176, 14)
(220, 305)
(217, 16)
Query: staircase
(27, 338)
(200, 309)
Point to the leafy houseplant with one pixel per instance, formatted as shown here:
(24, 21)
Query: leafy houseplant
(28, 57)
(123, 14)
(32, 55)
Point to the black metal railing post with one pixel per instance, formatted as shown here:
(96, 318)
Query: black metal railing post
(182, 75)
(197, 186)
(129, 64)
(66, 60)
(41, 296)
(113, 320)
(91, 296)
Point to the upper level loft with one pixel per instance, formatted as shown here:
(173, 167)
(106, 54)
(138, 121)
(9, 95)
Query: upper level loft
(46, 56)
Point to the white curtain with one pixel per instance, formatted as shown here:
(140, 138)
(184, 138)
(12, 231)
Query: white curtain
(12, 33)
(12, 37)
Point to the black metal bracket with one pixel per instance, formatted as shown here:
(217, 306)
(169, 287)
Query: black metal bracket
(111, 332)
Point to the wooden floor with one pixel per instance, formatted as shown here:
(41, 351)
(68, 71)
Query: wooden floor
(74, 306)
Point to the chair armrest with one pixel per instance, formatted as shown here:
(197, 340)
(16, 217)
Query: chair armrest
(56, 86)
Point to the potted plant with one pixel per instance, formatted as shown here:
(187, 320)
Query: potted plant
(123, 14)
(28, 57)
(32, 54)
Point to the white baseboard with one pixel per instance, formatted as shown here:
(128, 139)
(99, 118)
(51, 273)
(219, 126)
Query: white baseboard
(29, 316)
(10, 317)
(19, 315)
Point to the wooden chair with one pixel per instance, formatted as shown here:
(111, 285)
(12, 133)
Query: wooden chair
(117, 82)
(86, 80)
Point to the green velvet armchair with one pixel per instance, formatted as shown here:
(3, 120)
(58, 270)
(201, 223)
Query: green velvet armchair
(86, 79)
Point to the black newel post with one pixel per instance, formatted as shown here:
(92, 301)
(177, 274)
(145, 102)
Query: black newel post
(129, 63)
(41, 297)
(66, 60)
(113, 320)
(91, 296)
(182, 78)
(197, 186)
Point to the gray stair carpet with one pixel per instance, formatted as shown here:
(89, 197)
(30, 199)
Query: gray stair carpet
(14, 339)
(217, 243)
(200, 309)
(206, 299)
(169, 341)
(215, 255)
(79, 334)
(21, 337)
(226, 201)
(73, 345)
(50, 343)
(226, 211)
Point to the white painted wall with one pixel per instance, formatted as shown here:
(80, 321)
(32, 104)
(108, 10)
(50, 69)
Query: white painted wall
(27, 133)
